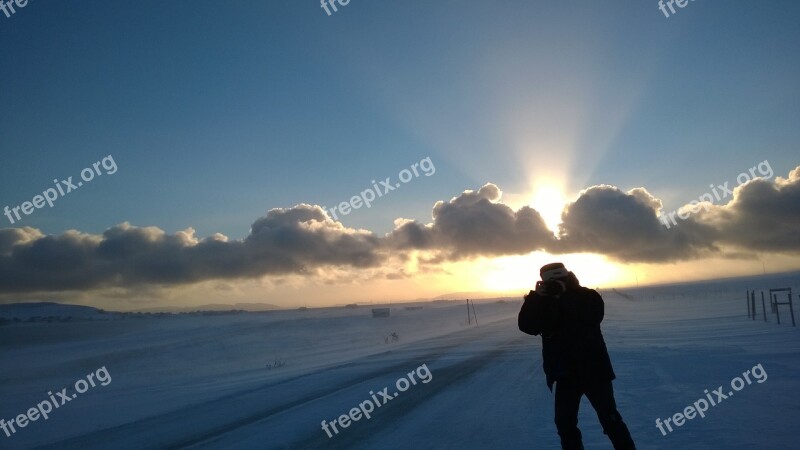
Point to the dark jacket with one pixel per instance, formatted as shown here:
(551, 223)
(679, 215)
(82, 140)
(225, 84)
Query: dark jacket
(572, 344)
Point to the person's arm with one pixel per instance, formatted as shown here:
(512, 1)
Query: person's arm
(592, 308)
(538, 314)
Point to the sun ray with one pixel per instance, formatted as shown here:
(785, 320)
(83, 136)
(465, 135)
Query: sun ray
(548, 199)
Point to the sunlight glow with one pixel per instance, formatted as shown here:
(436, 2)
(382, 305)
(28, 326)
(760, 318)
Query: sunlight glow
(520, 273)
(549, 200)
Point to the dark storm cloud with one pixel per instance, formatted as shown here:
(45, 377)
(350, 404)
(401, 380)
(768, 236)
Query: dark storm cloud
(763, 216)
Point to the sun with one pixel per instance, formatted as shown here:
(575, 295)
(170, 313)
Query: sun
(518, 273)
(549, 200)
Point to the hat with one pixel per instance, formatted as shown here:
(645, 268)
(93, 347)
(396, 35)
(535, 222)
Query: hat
(552, 271)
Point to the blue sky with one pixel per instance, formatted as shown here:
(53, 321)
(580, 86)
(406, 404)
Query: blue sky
(217, 112)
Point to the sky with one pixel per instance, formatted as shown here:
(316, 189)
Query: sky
(222, 135)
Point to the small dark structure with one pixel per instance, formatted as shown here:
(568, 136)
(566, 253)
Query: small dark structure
(774, 304)
(752, 309)
(473, 314)
(773, 298)
(381, 312)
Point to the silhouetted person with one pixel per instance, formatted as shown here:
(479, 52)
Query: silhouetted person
(574, 354)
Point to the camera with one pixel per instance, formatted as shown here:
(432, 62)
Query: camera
(550, 288)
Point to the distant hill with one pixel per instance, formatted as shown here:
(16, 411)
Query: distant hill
(215, 307)
(24, 311)
(41, 310)
(475, 295)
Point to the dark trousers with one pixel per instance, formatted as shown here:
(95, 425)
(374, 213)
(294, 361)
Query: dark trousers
(601, 396)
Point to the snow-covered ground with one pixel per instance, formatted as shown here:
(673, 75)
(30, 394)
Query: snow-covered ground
(268, 380)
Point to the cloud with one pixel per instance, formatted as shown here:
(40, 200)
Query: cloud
(12, 236)
(763, 216)
(285, 241)
(625, 226)
(474, 224)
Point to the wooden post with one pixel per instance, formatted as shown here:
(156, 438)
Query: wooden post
(763, 306)
(753, 302)
(469, 319)
(777, 310)
(791, 310)
(474, 313)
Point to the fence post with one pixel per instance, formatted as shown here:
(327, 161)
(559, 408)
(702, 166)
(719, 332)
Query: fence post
(748, 303)
(791, 310)
(763, 307)
(753, 302)
(775, 304)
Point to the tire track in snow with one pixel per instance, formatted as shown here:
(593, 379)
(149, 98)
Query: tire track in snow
(402, 405)
(160, 431)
